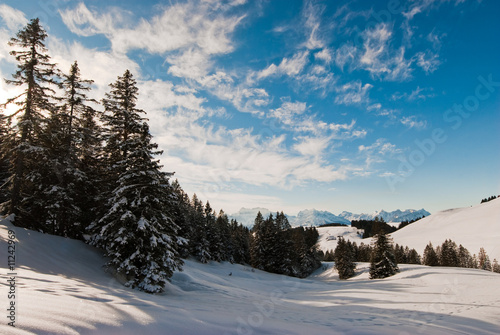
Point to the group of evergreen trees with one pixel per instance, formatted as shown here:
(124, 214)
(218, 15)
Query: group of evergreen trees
(493, 197)
(71, 170)
(276, 247)
(382, 257)
(68, 169)
(373, 227)
(449, 254)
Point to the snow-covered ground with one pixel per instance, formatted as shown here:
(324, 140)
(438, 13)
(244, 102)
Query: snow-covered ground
(62, 289)
(473, 227)
(328, 236)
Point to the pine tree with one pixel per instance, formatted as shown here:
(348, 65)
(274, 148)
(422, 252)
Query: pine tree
(496, 266)
(37, 76)
(484, 260)
(257, 252)
(137, 231)
(430, 257)
(383, 262)
(4, 162)
(449, 254)
(199, 243)
(344, 259)
(65, 185)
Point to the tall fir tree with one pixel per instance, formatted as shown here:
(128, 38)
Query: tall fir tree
(37, 76)
(383, 262)
(4, 162)
(137, 231)
(67, 184)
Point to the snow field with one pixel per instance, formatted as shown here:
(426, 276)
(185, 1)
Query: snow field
(62, 289)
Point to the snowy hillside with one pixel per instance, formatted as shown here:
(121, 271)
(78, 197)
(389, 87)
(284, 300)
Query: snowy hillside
(328, 236)
(473, 227)
(61, 288)
(313, 217)
(396, 216)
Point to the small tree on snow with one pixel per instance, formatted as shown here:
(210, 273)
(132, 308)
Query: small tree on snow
(383, 262)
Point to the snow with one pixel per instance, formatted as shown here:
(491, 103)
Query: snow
(328, 236)
(62, 289)
(473, 227)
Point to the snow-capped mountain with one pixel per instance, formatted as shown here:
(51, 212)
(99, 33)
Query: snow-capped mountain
(394, 216)
(246, 216)
(313, 217)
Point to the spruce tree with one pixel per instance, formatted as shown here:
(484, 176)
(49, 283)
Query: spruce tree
(383, 262)
(257, 252)
(344, 259)
(67, 183)
(137, 230)
(4, 162)
(37, 77)
(449, 254)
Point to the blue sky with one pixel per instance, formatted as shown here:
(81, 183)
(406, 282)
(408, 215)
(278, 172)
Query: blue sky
(345, 105)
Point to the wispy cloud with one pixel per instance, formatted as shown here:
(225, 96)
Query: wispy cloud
(353, 93)
(13, 18)
(413, 122)
(288, 66)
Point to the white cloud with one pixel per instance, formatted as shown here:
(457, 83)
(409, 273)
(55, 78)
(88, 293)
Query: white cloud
(353, 93)
(428, 61)
(311, 146)
(189, 34)
(345, 54)
(13, 18)
(378, 152)
(312, 22)
(412, 122)
(288, 66)
(325, 55)
(101, 66)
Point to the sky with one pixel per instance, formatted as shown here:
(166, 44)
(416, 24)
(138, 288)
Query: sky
(291, 105)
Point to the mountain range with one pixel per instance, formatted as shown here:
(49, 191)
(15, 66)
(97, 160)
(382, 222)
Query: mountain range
(313, 217)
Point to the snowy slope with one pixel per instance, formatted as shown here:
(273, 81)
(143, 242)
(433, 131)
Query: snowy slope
(328, 236)
(473, 227)
(62, 289)
(313, 217)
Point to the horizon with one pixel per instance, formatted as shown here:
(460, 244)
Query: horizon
(352, 107)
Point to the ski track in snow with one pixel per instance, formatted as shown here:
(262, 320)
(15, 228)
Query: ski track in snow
(63, 289)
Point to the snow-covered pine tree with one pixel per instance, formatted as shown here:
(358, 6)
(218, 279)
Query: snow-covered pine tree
(383, 262)
(137, 231)
(37, 77)
(344, 259)
(66, 183)
(4, 162)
